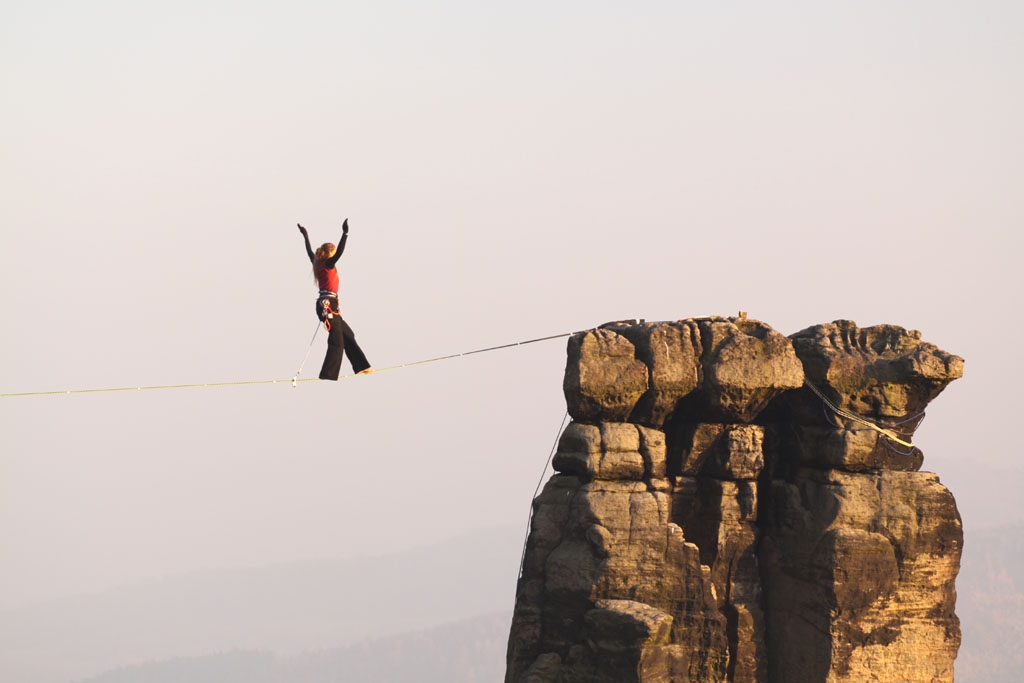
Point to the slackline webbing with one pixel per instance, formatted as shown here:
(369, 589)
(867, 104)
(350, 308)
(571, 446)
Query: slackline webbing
(294, 381)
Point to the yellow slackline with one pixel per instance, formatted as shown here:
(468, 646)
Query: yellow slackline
(887, 433)
(294, 381)
(160, 386)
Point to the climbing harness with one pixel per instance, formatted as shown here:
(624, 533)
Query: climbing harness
(326, 312)
(887, 430)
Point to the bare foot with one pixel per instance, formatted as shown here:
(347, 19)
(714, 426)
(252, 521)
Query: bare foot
(367, 371)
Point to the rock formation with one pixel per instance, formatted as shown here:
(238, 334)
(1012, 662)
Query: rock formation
(733, 505)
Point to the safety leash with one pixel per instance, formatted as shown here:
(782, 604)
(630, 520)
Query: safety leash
(295, 379)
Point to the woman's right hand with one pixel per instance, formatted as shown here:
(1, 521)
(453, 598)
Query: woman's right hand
(302, 230)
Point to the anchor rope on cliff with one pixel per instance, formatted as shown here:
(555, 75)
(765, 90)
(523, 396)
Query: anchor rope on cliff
(294, 380)
(536, 490)
(885, 429)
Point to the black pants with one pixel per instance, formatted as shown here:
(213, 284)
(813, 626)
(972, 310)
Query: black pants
(339, 339)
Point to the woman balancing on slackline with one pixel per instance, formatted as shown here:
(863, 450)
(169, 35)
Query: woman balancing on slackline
(340, 336)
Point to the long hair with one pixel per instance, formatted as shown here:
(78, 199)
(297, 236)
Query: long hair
(323, 252)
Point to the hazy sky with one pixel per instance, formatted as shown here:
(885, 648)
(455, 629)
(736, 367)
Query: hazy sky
(510, 171)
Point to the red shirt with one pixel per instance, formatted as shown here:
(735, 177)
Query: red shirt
(326, 278)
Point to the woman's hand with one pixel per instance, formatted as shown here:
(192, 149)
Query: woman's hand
(344, 227)
(302, 230)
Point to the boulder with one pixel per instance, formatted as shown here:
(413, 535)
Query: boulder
(603, 378)
(672, 354)
(709, 369)
(745, 365)
(884, 374)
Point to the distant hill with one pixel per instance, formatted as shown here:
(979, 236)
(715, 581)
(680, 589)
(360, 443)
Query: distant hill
(411, 616)
(471, 651)
(286, 609)
(990, 604)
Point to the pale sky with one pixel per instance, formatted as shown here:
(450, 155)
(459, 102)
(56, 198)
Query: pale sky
(509, 171)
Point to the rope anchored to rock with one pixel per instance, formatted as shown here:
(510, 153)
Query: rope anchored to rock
(884, 429)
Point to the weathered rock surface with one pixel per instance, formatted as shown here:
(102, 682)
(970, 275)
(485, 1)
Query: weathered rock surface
(600, 539)
(884, 373)
(711, 519)
(745, 365)
(712, 369)
(724, 451)
(861, 582)
(603, 377)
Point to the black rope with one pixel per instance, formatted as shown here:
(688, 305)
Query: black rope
(529, 519)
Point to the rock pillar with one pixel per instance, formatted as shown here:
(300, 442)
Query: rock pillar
(860, 551)
(723, 510)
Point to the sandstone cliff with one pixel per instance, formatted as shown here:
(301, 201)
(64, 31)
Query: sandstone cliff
(733, 505)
